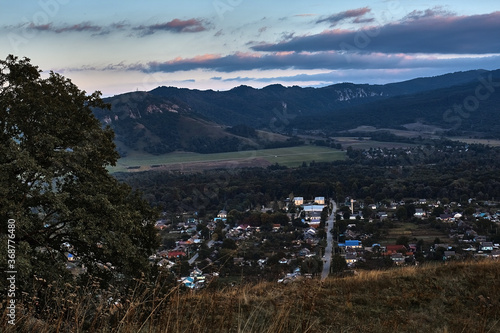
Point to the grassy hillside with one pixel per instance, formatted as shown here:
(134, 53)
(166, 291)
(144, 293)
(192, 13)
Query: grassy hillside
(290, 156)
(456, 297)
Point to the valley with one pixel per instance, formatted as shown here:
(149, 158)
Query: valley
(183, 161)
(235, 166)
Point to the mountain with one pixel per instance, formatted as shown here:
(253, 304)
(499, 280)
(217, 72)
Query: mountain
(468, 108)
(258, 107)
(168, 118)
(145, 122)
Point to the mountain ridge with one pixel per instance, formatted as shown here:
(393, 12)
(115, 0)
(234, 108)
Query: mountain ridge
(151, 121)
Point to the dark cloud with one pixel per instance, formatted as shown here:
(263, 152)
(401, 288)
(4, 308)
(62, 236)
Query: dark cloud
(419, 14)
(176, 25)
(338, 17)
(308, 61)
(360, 20)
(477, 34)
(83, 27)
(50, 27)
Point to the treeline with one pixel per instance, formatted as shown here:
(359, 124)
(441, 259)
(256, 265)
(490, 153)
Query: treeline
(381, 136)
(208, 145)
(242, 130)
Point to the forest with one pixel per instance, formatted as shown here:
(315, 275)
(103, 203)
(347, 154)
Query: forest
(435, 169)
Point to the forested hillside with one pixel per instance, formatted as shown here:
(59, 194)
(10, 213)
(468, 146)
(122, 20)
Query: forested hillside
(168, 119)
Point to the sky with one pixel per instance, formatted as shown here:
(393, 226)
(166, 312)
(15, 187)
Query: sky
(118, 46)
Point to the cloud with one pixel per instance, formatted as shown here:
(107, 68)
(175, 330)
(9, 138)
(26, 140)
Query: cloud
(176, 25)
(419, 14)
(360, 20)
(305, 15)
(419, 33)
(50, 27)
(338, 17)
(329, 60)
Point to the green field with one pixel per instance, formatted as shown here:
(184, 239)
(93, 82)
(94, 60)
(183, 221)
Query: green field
(290, 157)
(414, 231)
(367, 143)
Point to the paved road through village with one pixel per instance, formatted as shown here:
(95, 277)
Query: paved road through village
(327, 259)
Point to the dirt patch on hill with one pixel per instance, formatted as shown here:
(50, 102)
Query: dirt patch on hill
(200, 166)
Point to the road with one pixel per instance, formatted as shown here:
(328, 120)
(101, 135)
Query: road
(327, 259)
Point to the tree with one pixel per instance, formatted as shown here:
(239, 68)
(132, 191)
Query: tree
(402, 240)
(401, 213)
(55, 186)
(338, 264)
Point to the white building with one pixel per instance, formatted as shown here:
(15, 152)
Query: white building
(319, 200)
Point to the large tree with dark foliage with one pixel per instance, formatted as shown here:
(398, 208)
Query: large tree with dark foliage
(55, 185)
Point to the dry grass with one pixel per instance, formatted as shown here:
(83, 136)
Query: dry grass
(456, 297)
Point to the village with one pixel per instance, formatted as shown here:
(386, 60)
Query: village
(288, 242)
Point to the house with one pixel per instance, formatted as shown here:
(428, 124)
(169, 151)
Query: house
(161, 224)
(313, 208)
(304, 252)
(382, 215)
(449, 254)
(398, 258)
(166, 263)
(442, 245)
(446, 217)
(392, 249)
(188, 282)
(419, 213)
(298, 201)
(221, 216)
(243, 227)
(355, 216)
(349, 234)
(412, 247)
(238, 260)
(195, 280)
(486, 246)
(480, 239)
(314, 220)
(176, 254)
(353, 244)
(311, 232)
(319, 200)
(351, 258)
